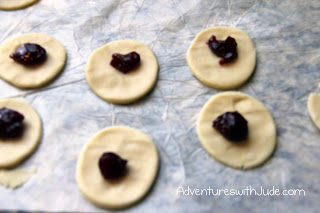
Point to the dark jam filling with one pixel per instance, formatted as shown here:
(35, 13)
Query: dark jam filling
(29, 54)
(11, 125)
(111, 165)
(232, 126)
(227, 50)
(125, 63)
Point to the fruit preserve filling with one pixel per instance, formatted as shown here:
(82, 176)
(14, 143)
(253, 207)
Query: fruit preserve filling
(227, 49)
(29, 54)
(232, 125)
(125, 63)
(11, 123)
(111, 165)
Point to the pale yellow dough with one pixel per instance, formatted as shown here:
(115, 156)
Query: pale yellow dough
(261, 141)
(130, 144)
(13, 151)
(15, 4)
(205, 65)
(114, 86)
(314, 108)
(14, 178)
(32, 76)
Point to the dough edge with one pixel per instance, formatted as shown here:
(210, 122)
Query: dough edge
(37, 118)
(313, 112)
(118, 100)
(246, 165)
(27, 84)
(16, 177)
(111, 206)
(17, 4)
(218, 84)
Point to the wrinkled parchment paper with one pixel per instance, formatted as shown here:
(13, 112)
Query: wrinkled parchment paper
(286, 35)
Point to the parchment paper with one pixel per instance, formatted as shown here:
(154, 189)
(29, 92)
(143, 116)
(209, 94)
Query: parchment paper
(286, 36)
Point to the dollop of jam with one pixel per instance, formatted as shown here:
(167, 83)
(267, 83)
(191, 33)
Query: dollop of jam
(125, 63)
(29, 54)
(11, 123)
(232, 125)
(227, 49)
(111, 165)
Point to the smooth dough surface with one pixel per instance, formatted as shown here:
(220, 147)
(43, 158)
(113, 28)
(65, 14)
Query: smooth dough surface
(32, 76)
(205, 65)
(129, 144)
(13, 151)
(261, 141)
(14, 178)
(314, 108)
(114, 86)
(15, 4)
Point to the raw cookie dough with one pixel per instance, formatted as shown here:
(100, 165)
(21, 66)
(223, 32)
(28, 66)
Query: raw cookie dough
(32, 76)
(15, 4)
(261, 141)
(13, 151)
(205, 65)
(314, 108)
(15, 178)
(114, 86)
(131, 145)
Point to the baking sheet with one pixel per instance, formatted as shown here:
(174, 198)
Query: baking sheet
(286, 36)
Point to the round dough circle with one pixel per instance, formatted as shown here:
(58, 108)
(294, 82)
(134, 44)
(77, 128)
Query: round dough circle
(205, 65)
(114, 86)
(261, 141)
(129, 144)
(13, 151)
(314, 108)
(32, 76)
(15, 4)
